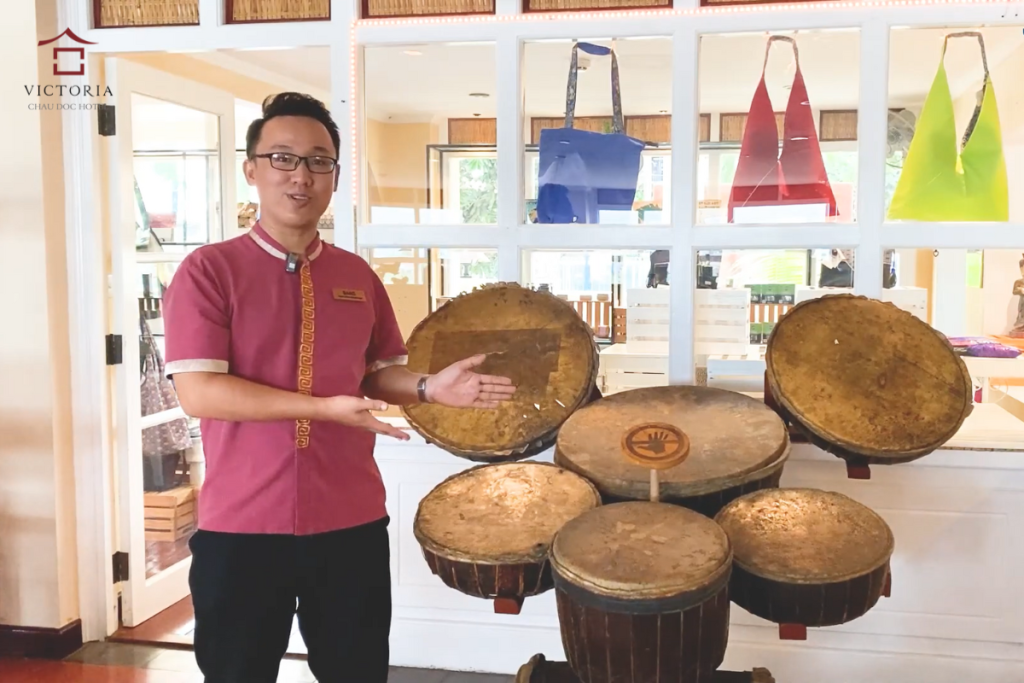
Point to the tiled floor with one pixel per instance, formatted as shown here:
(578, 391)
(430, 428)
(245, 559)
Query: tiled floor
(124, 663)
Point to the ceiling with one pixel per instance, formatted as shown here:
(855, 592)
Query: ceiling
(428, 82)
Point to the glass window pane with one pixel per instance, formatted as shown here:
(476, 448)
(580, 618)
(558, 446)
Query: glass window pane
(624, 297)
(778, 127)
(419, 281)
(607, 176)
(976, 299)
(741, 295)
(172, 454)
(430, 145)
(177, 175)
(953, 152)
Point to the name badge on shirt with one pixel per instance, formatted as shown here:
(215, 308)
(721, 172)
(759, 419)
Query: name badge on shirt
(349, 294)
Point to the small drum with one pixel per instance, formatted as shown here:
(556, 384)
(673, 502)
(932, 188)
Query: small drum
(487, 531)
(737, 445)
(540, 670)
(865, 380)
(804, 557)
(642, 593)
(536, 339)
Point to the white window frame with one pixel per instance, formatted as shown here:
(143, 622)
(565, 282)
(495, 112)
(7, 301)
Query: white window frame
(508, 31)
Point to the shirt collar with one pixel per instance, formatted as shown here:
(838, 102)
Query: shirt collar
(272, 247)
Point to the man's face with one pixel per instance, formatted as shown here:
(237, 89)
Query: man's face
(292, 199)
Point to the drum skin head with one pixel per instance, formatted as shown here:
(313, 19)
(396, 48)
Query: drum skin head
(641, 550)
(805, 536)
(732, 438)
(504, 513)
(535, 339)
(867, 379)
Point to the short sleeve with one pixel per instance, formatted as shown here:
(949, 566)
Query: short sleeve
(197, 326)
(386, 344)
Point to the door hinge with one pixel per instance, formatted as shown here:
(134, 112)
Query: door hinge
(115, 355)
(120, 567)
(107, 120)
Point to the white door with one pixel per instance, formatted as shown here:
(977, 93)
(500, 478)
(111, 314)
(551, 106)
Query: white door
(172, 170)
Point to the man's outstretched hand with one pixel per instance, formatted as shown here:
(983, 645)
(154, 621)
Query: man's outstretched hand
(355, 412)
(459, 386)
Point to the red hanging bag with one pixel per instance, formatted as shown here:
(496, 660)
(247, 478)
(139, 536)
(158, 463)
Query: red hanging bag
(797, 175)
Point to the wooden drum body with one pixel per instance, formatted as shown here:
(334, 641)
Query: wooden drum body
(804, 557)
(535, 339)
(486, 532)
(737, 445)
(865, 380)
(642, 593)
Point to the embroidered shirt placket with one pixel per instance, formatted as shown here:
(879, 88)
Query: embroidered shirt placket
(305, 383)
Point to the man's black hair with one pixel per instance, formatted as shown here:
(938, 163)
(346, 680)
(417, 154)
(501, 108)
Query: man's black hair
(291, 104)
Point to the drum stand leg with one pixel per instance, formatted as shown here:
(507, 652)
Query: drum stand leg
(792, 632)
(856, 469)
(508, 605)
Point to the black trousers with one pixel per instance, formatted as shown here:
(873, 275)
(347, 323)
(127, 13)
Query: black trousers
(247, 589)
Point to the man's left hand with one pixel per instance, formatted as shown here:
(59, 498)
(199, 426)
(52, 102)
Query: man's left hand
(458, 386)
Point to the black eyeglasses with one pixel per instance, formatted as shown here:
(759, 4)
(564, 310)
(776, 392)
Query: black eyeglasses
(284, 161)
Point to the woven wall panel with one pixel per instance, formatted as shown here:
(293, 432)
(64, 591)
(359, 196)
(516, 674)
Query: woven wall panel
(731, 126)
(594, 124)
(716, 3)
(838, 126)
(578, 5)
(472, 131)
(704, 133)
(373, 9)
(115, 13)
(246, 11)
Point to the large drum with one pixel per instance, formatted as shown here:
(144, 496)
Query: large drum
(865, 380)
(804, 557)
(737, 445)
(540, 670)
(534, 338)
(642, 593)
(487, 531)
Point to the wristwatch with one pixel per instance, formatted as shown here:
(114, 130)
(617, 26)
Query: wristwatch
(421, 389)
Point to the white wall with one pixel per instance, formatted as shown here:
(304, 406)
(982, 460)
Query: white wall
(38, 582)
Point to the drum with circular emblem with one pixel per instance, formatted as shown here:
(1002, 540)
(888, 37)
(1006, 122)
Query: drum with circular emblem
(865, 380)
(486, 532)
(736, 445)
(642, 590)
(806, 557)
(534, 338)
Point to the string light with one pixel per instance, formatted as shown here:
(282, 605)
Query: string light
(655, 13)
(354, 120)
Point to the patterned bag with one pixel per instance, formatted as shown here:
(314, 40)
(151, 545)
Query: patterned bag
(158, 395)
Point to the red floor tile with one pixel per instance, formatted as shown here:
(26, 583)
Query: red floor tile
(34, 671)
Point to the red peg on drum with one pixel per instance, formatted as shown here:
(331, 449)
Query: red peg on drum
(657, 446)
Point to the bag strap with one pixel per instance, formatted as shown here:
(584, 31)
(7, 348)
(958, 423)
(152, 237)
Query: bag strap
(984, 83)
(570, 93)
(768, 49)
(981, 44)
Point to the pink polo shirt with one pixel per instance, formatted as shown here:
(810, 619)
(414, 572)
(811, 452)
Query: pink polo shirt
(232, 307)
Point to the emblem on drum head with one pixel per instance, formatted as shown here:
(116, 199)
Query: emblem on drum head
(656, 445)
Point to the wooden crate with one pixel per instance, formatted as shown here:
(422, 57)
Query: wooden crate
(171, 514)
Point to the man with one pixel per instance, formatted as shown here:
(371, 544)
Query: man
(274, 339)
